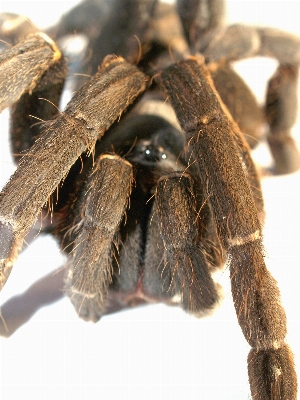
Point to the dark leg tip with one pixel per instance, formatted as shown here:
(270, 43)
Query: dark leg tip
(6, 245)
(87, 308)
(272, 374)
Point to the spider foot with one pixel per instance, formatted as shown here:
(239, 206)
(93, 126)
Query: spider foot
(9, 249)
(5, 269)
(272, 374)
(88, 307)
(285, 153)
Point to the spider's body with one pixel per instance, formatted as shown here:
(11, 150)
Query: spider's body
(154, 147)
(147, 207)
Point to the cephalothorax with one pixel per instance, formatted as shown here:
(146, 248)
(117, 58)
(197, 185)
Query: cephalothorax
(149, 179)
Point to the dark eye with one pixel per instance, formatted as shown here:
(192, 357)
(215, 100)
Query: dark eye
(148, 153)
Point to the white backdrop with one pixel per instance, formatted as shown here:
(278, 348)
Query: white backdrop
(156, 351)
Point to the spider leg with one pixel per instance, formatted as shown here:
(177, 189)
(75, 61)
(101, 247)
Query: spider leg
(282, 100)
(86, 17)
(281, 113)
(116, 27)
(166, 31)
(255, 293)
(88, 115)
(35, 71)
(102, 208)
(203, 27)
(240, 100)
(200, 19)
(184, 258)
(14, 28)
(23, 65)
(121, 33)
(33, 109)
(239, 42)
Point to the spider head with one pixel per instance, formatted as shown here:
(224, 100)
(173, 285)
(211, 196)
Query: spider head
(150, 143)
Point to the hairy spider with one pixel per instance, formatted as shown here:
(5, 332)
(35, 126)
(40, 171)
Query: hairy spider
(148, 212)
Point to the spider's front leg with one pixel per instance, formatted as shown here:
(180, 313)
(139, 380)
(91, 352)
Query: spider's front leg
(203, 25)
(88, 115)
(211, 134)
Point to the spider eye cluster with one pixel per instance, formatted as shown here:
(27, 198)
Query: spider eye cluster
(147, 140)
(159, 149)
(148, 152)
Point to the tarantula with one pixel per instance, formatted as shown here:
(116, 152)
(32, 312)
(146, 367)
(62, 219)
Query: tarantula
(147, 208)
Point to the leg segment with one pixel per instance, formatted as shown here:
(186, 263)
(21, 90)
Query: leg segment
(102, 208)
(89, 114)
(129, 20)
(200, 20)
(281, 113)
(255, 293)
(257, 301)
(239, 42)
(33, 108)
(32, 75)
(14, 28)
(122, 32)
(276, 367)
(240, 101)
(23, 66)
(185, 260)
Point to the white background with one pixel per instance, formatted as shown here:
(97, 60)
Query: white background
(153, 352)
